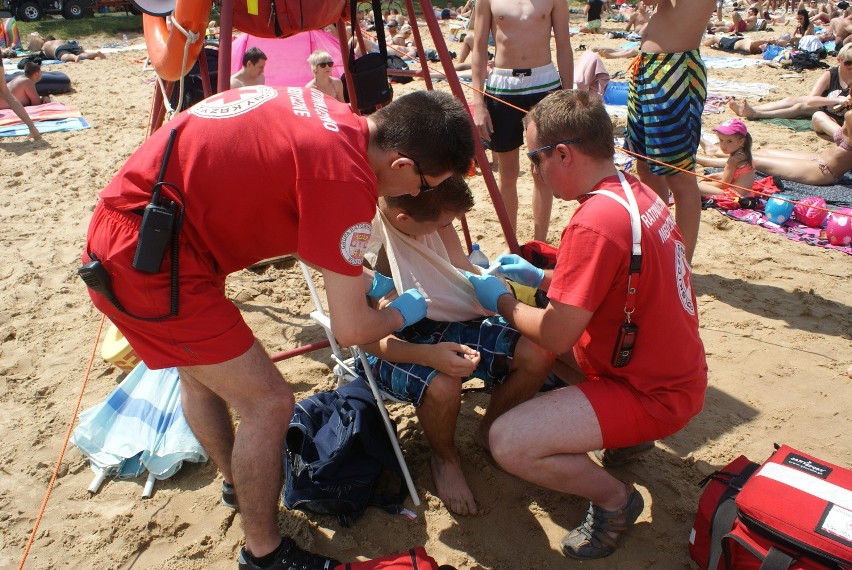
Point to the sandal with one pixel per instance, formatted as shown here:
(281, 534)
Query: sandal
(592, 538)
(619, 456)
(581, 47)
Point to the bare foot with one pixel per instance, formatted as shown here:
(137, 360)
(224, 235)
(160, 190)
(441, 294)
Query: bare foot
(849, 371)
(452, 486)
(741, 109)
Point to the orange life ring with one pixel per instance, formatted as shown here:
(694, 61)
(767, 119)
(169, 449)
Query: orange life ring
(166, 43)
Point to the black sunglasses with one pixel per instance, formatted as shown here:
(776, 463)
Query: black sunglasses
(325, 64)
(424, 184)
(533, 154)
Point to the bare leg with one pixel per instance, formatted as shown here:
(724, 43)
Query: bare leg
(824, 124)
(789, 108)
(684, 187)
(91, 55)
(530, 367)
(254, 387)
(508, 168)
(542, 205)
(556, 457)
(658, 184)
(210, 420)
(438, 413)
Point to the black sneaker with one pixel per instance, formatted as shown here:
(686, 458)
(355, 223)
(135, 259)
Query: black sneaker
(229, 496)
(592, 539)
(290, 557)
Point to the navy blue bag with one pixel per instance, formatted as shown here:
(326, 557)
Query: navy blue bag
(337, 451)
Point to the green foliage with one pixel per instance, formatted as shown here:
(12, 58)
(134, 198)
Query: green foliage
(99, 25)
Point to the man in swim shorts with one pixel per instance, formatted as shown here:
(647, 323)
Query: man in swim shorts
(627, 329)
(62, 50)
(665, 101)
(231, 197)
(522, 76)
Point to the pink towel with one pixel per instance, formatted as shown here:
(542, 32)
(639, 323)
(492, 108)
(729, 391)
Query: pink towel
(590, 73)
(42, 112)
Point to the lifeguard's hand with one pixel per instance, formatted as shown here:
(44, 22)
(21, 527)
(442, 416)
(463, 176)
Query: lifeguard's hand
(488, 289)
(412, 306)
(382, 285)
(520, 270)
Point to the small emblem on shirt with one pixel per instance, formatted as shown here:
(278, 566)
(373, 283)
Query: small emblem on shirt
(684, 281)
(353, 243)
(234, 102)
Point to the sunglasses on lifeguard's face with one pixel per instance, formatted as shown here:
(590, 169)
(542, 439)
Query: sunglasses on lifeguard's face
(534, 157)
(847, 63)
(325, 64)
(424, 184)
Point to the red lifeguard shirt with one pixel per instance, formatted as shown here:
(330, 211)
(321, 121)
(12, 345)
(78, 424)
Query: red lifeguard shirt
(264, 172)
(668, 362)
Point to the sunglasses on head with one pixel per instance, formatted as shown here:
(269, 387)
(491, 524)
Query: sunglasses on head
(424, 184)
(534, 157)
(325, 64)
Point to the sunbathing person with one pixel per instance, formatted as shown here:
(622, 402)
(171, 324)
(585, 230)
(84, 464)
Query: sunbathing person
(24, 89)
(458, 339)
(739, 44)
(68, 50)
(821, 169)
(830, 89)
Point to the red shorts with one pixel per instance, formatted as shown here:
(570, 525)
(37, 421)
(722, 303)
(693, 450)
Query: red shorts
(623, 418)
(208, 328)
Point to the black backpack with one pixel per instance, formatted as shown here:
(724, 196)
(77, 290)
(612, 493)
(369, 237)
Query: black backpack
(337, 451)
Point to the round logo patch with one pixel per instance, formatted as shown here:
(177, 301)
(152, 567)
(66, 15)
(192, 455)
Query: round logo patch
(234, 102)
(353, 243)
(684, 282)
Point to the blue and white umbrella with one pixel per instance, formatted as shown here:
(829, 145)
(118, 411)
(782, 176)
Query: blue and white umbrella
(139, 426)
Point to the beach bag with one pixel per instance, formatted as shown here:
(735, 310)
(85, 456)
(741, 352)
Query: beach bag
(793, 512)
(415, 558)
(771, 51)
(283, 18)
(337, 454)
(811, 44)
(370, 71)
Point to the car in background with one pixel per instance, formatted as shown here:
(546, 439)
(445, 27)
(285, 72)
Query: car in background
(31, 10)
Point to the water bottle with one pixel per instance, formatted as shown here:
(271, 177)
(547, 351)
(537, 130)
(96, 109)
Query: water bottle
(476, 257)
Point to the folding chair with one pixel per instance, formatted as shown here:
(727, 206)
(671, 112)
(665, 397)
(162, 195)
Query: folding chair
(344, 369)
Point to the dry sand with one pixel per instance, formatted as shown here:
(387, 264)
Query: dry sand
(775, 320)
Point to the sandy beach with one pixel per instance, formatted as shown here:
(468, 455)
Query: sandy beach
(775, 320)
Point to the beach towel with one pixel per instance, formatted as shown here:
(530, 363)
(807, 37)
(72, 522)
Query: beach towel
(791, 229)
(50, 126)
(590, 73)
(836, 196)
(139, 426)
(421, 262)
(796, 125)
(738, 89)
(43, 112)
(729, 62)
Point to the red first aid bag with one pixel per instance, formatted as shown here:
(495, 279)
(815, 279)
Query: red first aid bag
(414, 559)
(283, 18)
(793, 513)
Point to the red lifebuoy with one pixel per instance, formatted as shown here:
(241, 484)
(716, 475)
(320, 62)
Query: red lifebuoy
(166, 43)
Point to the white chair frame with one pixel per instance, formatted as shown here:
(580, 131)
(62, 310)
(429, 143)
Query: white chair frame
(344, 369)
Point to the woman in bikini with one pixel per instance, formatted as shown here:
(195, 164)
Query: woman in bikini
(822, 169)
(322, 66)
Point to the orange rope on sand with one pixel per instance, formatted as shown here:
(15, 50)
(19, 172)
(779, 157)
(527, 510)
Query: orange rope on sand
(64, 447)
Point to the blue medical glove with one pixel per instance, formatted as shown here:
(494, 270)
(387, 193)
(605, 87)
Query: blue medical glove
(520, 270)
(488, 289)
(382, 285)
(411, 305)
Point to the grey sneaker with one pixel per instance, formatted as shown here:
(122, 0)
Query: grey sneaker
(618, 456)
(592, 539)
(290, 557)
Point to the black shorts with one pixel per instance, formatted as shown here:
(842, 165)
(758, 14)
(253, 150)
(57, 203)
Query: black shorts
(727, 44)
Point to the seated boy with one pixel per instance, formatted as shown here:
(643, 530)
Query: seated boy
(457, 339)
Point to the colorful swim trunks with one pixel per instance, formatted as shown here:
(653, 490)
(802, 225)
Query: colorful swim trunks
(665, 102)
